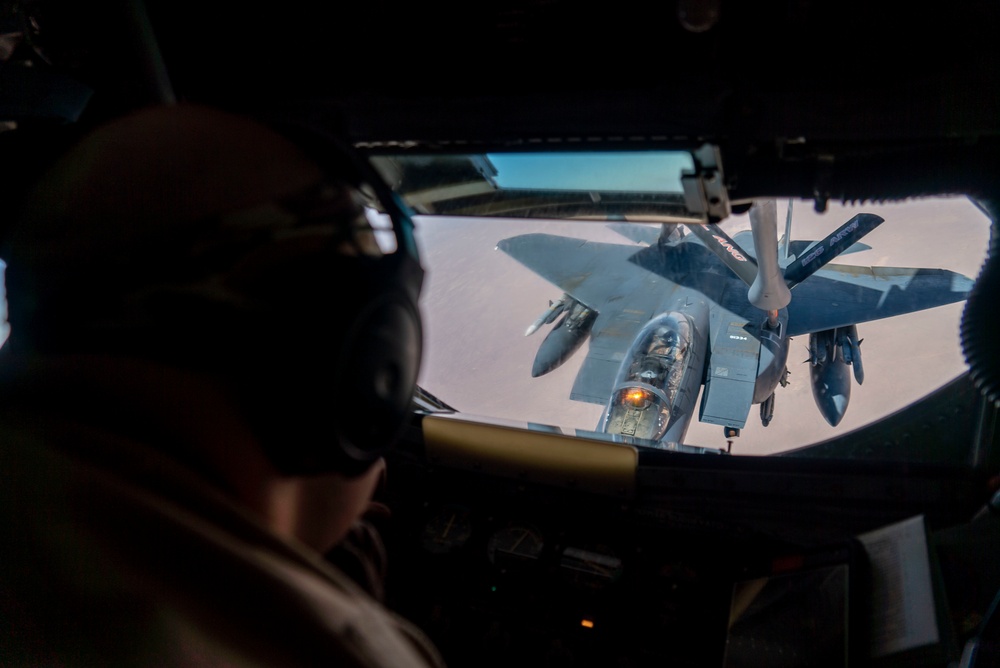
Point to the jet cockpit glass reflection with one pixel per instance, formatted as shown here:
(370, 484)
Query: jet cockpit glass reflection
(650, 379)
(656, 358)
(639, 412)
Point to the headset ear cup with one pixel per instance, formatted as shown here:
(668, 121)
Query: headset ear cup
(343, 395)
(376, 377)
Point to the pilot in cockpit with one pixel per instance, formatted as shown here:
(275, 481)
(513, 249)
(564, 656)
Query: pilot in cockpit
(661, 354)
(666, 344)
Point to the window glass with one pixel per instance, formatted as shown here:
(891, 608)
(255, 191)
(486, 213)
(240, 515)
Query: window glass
(479, 301)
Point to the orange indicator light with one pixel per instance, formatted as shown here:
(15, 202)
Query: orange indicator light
(636, 397)
(586, 623)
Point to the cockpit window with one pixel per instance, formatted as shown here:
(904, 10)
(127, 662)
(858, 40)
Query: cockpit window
(581, 325)
(657, 379)
(657, 357)
(624, 186)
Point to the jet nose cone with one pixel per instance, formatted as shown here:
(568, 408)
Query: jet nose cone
(962, 284)
(543, 363)
(834, 408)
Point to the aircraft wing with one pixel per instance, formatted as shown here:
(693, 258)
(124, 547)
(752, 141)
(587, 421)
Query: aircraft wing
(841, 295)
(647, 235)
(589, 271)
(623, 294)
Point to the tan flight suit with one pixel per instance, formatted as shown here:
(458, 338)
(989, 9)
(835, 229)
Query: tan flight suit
(113, 554)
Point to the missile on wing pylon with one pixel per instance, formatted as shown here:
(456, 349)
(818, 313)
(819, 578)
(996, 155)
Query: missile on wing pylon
(847, 338)
(821, 349)
(550, 314)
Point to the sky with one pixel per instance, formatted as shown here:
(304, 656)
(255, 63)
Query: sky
(477, 303)
(647, 171)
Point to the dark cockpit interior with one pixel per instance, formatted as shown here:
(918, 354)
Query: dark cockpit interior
(517, 541)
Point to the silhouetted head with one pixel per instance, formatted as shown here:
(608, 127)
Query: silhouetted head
(210, 241)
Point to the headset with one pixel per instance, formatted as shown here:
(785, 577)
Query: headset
(377, 338)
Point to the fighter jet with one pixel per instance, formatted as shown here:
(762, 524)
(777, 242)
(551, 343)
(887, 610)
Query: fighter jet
(686, 310)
